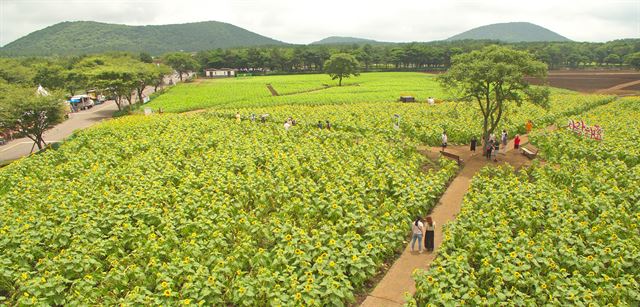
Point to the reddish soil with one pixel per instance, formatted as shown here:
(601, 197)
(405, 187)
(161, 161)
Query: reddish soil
(635, 87)
(591, 81)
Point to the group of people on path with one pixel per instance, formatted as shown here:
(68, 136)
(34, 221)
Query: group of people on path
(493, 146)
(418, 228)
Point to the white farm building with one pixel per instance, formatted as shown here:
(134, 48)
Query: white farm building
(219, 72)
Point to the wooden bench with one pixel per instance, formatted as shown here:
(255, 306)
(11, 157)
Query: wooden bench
(452, 156)
(529, 153)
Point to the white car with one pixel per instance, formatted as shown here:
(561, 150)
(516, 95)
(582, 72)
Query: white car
(81, 102)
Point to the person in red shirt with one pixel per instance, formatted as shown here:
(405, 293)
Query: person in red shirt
(516, 142)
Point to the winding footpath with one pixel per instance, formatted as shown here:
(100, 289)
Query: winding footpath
(398, 283)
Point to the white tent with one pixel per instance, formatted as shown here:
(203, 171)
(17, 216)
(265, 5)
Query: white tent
(41, 91)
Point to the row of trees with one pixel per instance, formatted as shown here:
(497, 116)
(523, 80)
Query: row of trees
(120, 76)
(417, 56)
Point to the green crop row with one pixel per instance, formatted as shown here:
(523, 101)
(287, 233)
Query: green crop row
(246, 92)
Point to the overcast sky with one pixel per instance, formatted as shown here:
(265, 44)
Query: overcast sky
(302, 21)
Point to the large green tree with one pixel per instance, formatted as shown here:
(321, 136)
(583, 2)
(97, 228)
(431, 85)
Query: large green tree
(50, 76)
(117, 81)
(633, 60)
(181, 62)
(22, 110)
(492, 77)
(341, 65)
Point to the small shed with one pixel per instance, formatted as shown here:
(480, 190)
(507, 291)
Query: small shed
(219, 72)
(407, 99)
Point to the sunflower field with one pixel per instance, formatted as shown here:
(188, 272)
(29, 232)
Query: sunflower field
(563, 232)
(420, 122)
(620, 120)
(195, 209)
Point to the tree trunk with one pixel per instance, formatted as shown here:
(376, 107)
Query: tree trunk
(140, 90)
(118, 103)
(340, 81)
(39, 142)
(180, 75)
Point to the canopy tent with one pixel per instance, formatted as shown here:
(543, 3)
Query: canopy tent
(41, 91)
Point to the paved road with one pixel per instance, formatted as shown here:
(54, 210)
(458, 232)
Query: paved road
(22, 147)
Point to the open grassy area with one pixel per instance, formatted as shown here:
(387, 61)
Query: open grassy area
(297, 90)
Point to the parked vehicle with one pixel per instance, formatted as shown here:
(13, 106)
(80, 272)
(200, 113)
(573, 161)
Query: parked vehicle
(81, 102)
(96, 97)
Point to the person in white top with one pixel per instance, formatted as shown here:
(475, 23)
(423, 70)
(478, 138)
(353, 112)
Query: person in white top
(417, 228)
(429, 234)
(287, 125)
(445, 139)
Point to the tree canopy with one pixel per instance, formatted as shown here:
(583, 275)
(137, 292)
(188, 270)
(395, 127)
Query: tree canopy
(22, 110)
(181, 62)
(341, 65)
(493, 76)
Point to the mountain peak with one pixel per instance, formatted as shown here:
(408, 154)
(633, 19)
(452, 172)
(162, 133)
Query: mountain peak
(511, 32)
(338, 40)
(83, 37)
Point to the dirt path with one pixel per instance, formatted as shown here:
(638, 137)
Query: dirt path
(619, 87)
(398, 282)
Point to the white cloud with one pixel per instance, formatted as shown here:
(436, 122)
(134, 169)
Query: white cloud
(306, 21)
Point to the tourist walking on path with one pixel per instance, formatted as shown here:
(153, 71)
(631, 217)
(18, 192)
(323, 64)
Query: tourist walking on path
(504, 138)
(445, 139)
(238, 117)
(328, 125)
(528, 126)
(516, 142)
(417, 228)
(474, 143)
(429, 234)
(494, 152)
(320, 126)
(488, 149)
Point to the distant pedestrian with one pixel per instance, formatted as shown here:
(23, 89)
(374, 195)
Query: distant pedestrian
(494, 152)
(417, 227)
(474, 143)
(489, 149)
(430, 230)
(253, 117)
(263, 118)
(328, 125)
(516, 142)
(528, 126)
(320, 126)
(445, 139)
(287, 125)
(504, 138)
(238, 117)
(431, 101)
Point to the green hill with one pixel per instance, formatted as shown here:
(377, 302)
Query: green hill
(341, 40)
(81, 37)
(511, 32)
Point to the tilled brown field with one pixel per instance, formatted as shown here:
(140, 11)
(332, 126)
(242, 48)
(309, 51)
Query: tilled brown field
(614, 82)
